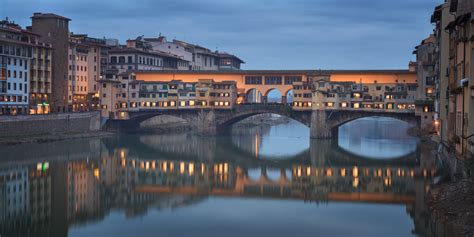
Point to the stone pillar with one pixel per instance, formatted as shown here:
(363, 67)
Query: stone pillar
(206, 123)
(284, 100)
(320, 128)
(263, 171)
(283, 173)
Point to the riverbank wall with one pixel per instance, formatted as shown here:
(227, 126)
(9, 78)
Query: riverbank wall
(49, 124)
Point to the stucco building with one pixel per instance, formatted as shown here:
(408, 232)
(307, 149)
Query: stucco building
(16, 54)
(427, 78)
(54, 30)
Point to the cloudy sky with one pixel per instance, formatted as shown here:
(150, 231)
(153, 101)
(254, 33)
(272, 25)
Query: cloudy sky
(266, 34)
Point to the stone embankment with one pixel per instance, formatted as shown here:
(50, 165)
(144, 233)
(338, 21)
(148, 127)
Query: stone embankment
(451, 201)
(50, 127)
(452, 208)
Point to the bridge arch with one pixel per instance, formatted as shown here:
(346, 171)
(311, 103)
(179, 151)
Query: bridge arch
(253, 95)
(287, 97)
(270, 93)
(162, 119)
(326, 123)
(226, 122)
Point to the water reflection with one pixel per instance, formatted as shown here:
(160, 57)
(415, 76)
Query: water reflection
(377, 137)
(184, 183)
(273, 142)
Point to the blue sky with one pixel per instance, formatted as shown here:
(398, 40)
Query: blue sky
(266, 34)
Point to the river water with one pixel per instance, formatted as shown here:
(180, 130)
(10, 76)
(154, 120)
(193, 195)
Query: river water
(256, 181)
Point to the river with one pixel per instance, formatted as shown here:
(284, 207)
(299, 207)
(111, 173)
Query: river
(256, 181)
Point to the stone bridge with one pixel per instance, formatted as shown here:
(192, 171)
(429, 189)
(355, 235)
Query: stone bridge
(324, 124)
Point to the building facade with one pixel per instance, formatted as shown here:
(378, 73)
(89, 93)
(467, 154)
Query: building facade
(41, 79)
(16, 54)
(199, 58)
(352, 95)
(461, 78)
(86, 64)
(427, 77)
(54, 30)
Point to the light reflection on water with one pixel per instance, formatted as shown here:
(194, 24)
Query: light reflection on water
(276, 142)
(184, 185)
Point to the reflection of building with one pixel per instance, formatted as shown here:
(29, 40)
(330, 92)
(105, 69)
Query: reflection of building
(82, 195)
(15, 195)
(40, 192)
(83, 189)
(249, 139)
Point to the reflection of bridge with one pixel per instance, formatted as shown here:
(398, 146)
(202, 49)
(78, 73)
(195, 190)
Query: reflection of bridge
(384, 184)
(323, 123)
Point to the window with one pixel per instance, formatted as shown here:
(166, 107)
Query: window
(130, 59)
(113, 59)
(290, 79)
(430, 81)
(273, 80)
(253, 80)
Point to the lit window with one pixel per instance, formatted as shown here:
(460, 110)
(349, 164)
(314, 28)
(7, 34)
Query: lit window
(356, 105)
(344, 105)
(357, 95)
(182, 103)
(330, 104)
(191, 103)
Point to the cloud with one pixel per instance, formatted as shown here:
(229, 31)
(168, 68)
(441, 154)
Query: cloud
(273, 34)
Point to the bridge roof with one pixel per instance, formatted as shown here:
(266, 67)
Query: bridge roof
(251, 72)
